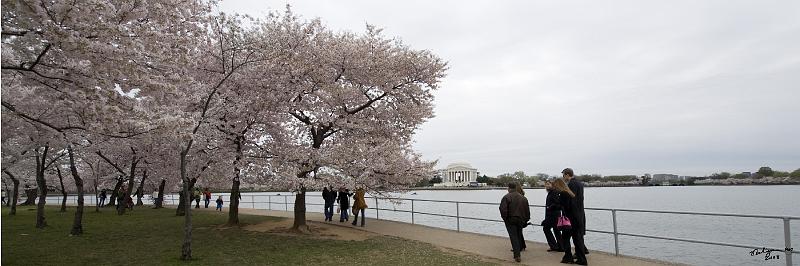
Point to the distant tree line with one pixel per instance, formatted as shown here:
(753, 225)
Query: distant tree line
(537, 180)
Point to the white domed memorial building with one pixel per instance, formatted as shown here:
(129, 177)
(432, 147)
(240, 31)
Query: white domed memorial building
(458, 175)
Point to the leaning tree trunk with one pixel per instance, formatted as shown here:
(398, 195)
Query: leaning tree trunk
(63, 191)
(186, 248)
(13, 197)
(77, 224)
(113, 198)
(233, 209)
(30, 196)
(160, 202)
(140, 190)
(300, 210)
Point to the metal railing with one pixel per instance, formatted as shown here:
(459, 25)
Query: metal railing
(788, 249)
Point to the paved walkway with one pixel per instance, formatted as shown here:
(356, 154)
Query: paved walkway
(494, 247)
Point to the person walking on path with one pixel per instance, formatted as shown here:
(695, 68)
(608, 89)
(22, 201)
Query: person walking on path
(219, 203)
(569, 208)
(552, 209)
(577, 187)
(523, 246)
(207, 197)
(359, 204)
(330, 198)
(344, 204)
(196, 197)
(515, 212)
(102, 198)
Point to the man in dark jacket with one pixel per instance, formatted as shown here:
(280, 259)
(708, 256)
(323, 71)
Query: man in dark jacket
(329, 195)
(515, 212)
(577, 187)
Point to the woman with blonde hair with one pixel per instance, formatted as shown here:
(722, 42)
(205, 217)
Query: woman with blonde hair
(359, 205)
(569, 208)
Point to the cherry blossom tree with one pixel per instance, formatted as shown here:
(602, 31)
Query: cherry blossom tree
(348, 88)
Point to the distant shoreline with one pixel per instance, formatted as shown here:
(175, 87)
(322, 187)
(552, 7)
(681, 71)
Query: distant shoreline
(591, 186)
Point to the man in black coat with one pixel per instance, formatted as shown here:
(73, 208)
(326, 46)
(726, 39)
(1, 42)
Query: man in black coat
(577, 187)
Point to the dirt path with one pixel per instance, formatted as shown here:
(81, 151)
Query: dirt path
(495, 249)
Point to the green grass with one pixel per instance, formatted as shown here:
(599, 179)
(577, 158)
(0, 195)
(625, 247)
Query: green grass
(153, 237)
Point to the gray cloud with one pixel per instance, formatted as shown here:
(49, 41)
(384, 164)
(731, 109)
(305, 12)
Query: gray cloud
(686, 87)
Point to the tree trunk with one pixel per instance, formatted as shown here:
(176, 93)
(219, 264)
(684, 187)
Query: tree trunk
(77, 224)
(112, 200)
(140, 190)
(63, 191)
(300, 210)
(131, 175)
(181, 210)
(160, 202)
(13, 197)
(186, 248)
(42, 188)
(233, 208)
(30, 196)
(96, 197)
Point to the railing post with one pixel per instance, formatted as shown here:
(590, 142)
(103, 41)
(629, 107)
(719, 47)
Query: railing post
(269, 205)
(458, 218)
(253, 201)
(286, 202)
(412, 211)
(616, 237)
(787, 239)
(377, 210)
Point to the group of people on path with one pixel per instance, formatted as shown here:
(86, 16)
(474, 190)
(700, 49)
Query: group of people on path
(127, 201)
(206, 195)
(565, 218)
(342, 197)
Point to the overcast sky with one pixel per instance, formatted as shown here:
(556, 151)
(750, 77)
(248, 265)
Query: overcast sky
(606, 87)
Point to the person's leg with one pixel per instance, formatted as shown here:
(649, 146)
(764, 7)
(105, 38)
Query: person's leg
(363, 217)
(514, 237)
(355, 218)
(522, 245)
(565, 235)
(580, 256)
(548, 234)
(557, 237)
(342, 214)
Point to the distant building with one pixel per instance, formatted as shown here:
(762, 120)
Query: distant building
(665, 179)
(457, 175)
